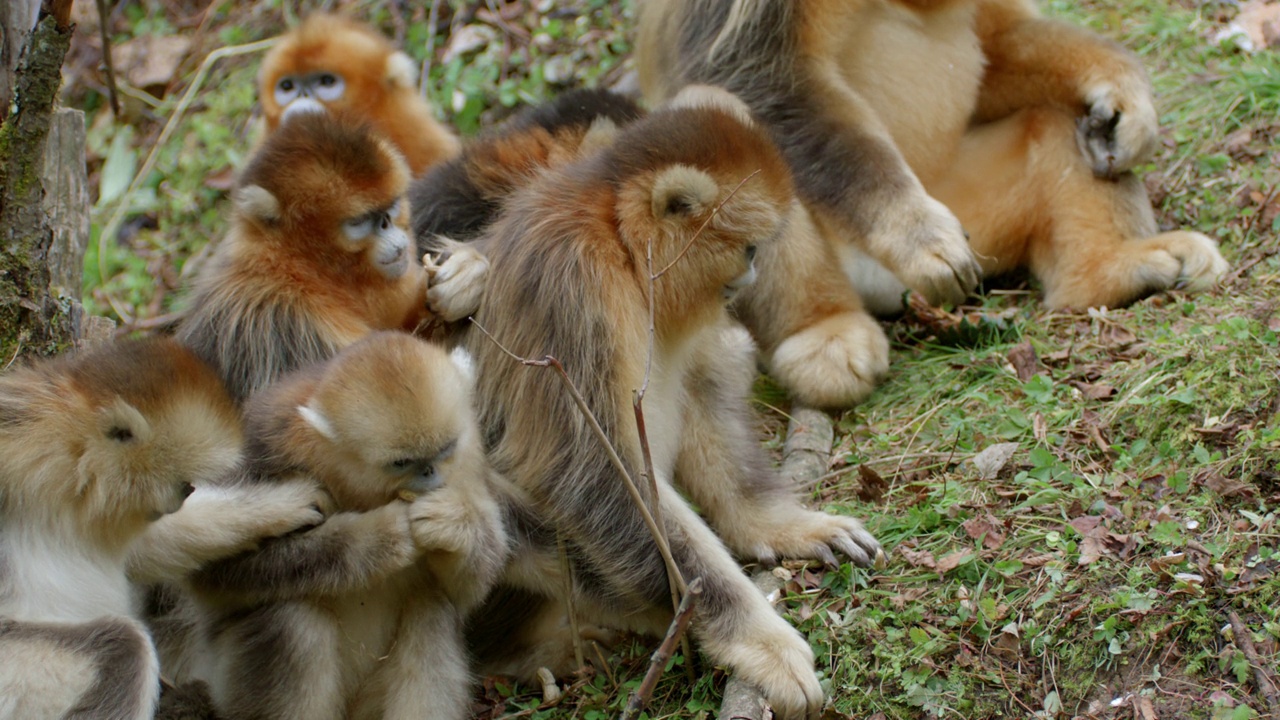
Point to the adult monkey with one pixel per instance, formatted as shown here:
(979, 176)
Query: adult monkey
(1026, 128)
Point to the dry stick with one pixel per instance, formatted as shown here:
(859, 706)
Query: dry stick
(122, 205)
(550, 361)
(658, 663)
(112, 96)
(1245, 642)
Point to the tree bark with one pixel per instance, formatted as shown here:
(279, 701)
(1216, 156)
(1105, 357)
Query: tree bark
(41, 213)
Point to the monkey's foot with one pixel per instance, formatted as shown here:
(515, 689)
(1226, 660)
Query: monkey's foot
(797, 533)
(770, 654)
(456, 284)
(922, 242)
(1120, 130)
(833, 363)
(1179, 259)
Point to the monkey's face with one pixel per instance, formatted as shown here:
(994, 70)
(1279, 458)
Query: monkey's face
(381, 236)
(394, 419)
(112, 439)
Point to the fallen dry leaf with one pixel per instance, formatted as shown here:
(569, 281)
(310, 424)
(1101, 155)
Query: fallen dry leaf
(1227, 487)
(872, 487)
(1023, 359)
(150, 60)
(1257, 27)
(990, 529)
(993, 459)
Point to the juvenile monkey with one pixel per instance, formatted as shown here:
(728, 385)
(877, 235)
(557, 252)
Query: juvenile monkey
(814, 335)
(571, 260)
(337, 64)
(93, 448)
(317, 256)
(906, 120)
(361, 616)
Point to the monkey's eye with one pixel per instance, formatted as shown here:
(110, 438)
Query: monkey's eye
(329, 87)
(286, 91)
(403, 464)
(358, 228)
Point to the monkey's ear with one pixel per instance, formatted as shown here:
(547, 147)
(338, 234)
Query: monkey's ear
(257, 202)
(122, 423)
(682, 190)
(401, 72)
(462, 360)
(315, 419)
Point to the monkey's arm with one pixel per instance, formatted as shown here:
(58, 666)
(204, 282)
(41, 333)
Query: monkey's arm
(460, 530)
(219, 521)
(1037, 61)
(347, 552)
(848, 169)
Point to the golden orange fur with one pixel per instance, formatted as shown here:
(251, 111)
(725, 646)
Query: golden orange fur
(905, 122)
(347, 66)
(572, 258)
(317, 257)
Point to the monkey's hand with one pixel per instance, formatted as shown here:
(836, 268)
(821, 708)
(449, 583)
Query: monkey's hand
(456, 284)
(219, 521)
(922, 242)
(1119, 129)
(460, 533)
(770, 654)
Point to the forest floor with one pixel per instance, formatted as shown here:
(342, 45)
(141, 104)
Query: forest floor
(1076, 504)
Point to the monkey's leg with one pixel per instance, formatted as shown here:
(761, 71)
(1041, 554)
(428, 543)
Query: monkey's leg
(858, 186)
(1034, 61)
(220, 521)
(817, 339)
(279, 662)
(1029, 198)
(425, 675)
(733, 622)
(727, 474)
(100, 670)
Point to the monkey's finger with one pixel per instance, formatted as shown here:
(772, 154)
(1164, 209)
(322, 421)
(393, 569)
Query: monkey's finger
(827, 557)
(852, 550)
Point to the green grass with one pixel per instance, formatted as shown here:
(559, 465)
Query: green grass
(1137, 510)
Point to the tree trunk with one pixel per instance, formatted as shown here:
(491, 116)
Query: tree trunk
(43, 199)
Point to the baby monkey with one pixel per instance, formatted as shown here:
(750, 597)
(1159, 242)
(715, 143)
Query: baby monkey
(360, 617)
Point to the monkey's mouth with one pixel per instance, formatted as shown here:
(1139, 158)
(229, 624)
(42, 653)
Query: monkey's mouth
(177, 496)
(395, 265)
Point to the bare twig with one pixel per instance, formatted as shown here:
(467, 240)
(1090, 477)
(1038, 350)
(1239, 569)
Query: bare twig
(658, 663)
(715, 211)
(112, 96)
(433, 20)
(1244, 641)
(658, 537)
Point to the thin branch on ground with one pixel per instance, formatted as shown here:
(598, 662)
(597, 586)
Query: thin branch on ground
(658, 663)
(1261, 679)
